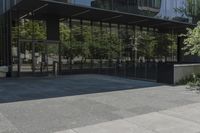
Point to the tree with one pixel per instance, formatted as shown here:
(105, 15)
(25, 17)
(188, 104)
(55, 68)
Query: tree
(194, 9)
(146, 44)
(30, 29)
(191, 9)
(166, 46)
(192, 41)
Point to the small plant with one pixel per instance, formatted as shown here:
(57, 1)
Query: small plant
(194, 82)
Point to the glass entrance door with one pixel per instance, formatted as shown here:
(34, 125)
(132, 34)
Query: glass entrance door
(46, 58)
(40, 62)
(52, 55)
(37, 58)
(25, 57)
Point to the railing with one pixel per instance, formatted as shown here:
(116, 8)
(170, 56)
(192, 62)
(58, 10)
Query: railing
(142, 70)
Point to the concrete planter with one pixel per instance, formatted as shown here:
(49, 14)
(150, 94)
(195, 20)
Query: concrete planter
(171, 73)
(182, 71)
(3, 71)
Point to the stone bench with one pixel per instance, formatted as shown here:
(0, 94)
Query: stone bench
(3, 71)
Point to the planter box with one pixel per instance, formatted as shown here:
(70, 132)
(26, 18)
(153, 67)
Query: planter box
(182, 71)
(172, 73)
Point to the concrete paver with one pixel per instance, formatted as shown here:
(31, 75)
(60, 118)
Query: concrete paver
(118, 126)
(165, 124)
(156, 122)
(48, 105)
(189, 112)
(67, 131)
(6, 126)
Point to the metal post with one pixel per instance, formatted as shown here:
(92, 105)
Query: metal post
(110, 55)
(125, 66)
(81, 22)
(156, 64)
(172, 34)
(100, 62)
(146, 60)
(33, 45)
(7, 38)
(9, 45)
(135, 51)
(60, 57)
(92, 31)
(0, 43)
(18, 47)
(46, 59)
(3, 39)
(117, 63)
(179, 59)
(70, 40)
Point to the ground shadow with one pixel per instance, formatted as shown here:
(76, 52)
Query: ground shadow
(23, 89)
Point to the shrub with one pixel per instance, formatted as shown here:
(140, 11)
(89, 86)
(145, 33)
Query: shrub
(193, 82)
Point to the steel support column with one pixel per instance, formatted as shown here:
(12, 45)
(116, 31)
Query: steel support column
(70, 41)
(101, 35)
(81, 23)
(18, 48)
(179, 49)
(92, 38)
(33, 44)
(110, 58)
(9, 44)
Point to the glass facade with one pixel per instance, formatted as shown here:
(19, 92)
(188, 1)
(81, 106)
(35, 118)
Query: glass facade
(5, 30)
(106, 48)
(87, 46)
(91, 47)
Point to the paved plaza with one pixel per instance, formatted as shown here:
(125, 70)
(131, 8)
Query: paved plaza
(96, 104)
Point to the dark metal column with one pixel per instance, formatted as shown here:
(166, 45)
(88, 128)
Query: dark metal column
(81, 23)
(110, 55)
(118, 30)
(101, 30)
(92, 38)
(18, 48)
(126, 62)
(33, 44)
(70, 41)
(59, 53)
(9, 44)
(135, 51)
(4, 36)
(0, 43)
(60, 57)
(172, 54)
(179, 47)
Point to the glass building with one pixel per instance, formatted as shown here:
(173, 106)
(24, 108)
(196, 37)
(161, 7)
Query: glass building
(129, 38)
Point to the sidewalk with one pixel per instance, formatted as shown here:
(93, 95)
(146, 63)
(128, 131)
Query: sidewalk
(185, 119)
(106, 104)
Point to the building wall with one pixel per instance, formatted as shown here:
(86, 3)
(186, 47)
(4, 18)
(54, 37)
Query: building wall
(2, 6)
(5, 30)
(6, 4)
(179, 10)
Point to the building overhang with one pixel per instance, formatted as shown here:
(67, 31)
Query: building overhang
(44, 9)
